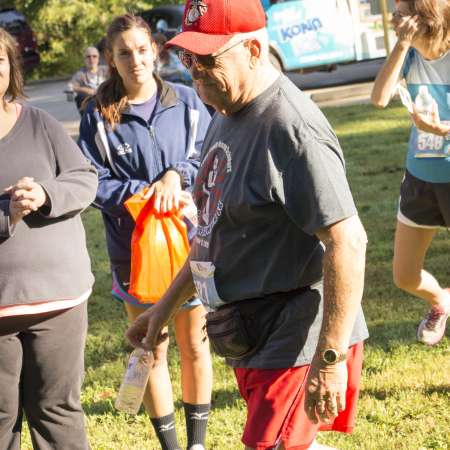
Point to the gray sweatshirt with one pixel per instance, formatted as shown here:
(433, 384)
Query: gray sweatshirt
(44, 257)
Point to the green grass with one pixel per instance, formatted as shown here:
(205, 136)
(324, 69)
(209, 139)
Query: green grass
(405, 397)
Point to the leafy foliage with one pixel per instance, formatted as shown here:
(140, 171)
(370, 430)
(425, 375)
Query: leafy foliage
(65, 28)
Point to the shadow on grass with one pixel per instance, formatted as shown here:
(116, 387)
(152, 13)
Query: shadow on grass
(391, 334)
(443, 389)
(382, 394)
(383, 170)
(221, 398)
(99, 408)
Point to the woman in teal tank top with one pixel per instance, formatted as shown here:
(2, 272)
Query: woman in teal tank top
(421, 57)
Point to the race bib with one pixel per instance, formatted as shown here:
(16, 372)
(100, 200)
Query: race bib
(431, 145)
(203, 275)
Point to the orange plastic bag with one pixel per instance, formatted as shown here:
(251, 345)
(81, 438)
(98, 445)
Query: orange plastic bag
(159, 248)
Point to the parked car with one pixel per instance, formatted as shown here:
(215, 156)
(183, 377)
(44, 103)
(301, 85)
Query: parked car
(16, 24)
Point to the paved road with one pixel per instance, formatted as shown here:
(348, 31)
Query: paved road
(344, 74)
(50, 97)
(348, 84)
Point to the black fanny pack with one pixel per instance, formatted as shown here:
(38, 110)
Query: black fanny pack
(239, 329)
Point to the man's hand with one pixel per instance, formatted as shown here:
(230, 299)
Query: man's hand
(430, 123)
(147, 330)
(167, 192)
(326, 388)
(26, 196)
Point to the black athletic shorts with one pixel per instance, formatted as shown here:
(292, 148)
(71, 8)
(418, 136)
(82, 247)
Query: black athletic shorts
(424, 204)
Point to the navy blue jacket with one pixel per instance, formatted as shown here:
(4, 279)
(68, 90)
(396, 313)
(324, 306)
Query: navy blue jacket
(137, 153)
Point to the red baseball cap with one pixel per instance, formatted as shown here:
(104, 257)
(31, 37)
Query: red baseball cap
(209, 24)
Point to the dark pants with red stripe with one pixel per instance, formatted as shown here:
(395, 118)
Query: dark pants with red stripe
(41, 372)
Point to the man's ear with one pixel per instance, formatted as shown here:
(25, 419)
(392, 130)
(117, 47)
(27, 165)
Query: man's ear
(255, 51)
(255, 48)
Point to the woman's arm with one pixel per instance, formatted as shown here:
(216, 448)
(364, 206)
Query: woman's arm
(73, 188)
(387, 78)
(78, 85)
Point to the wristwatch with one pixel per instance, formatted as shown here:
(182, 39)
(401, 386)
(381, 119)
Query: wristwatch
(331, 356)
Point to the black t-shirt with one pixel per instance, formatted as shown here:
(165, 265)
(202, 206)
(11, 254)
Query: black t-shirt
(271, 176)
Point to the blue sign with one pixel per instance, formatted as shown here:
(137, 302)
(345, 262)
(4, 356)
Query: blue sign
(309, 33)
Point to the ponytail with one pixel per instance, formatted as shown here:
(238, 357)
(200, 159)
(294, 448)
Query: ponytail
(111, 98)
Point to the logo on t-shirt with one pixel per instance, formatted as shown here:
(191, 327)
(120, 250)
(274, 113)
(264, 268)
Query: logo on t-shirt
(209, 187)
(124, 149)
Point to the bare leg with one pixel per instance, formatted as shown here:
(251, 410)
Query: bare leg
(158, 397)
(196, 366)
(411, 246)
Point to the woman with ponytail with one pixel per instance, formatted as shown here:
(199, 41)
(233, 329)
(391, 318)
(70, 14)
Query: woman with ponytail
(421, 57)
(141, 132)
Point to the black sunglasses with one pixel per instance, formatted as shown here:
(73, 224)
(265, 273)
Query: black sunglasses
(188, 59)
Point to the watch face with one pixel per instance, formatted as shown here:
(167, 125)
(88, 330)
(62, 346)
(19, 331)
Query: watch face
(330, 356)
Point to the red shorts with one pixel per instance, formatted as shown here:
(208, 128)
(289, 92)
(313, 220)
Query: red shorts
(275, 405)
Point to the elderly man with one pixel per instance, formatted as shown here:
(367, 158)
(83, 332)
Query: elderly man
(280, 252)
(86, 80)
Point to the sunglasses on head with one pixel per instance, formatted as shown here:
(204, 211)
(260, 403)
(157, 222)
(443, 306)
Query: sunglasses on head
(188, 59)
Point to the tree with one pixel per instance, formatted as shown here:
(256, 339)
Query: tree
(64, 28)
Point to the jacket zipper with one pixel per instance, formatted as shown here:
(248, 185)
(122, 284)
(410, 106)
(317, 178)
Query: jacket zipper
(156, 156)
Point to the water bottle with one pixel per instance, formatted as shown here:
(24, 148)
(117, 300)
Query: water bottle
(134, 382)
(424, 101)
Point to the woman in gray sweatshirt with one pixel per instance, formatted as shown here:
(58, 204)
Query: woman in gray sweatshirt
(45, 274)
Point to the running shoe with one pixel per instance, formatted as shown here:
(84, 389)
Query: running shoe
(431, 330)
